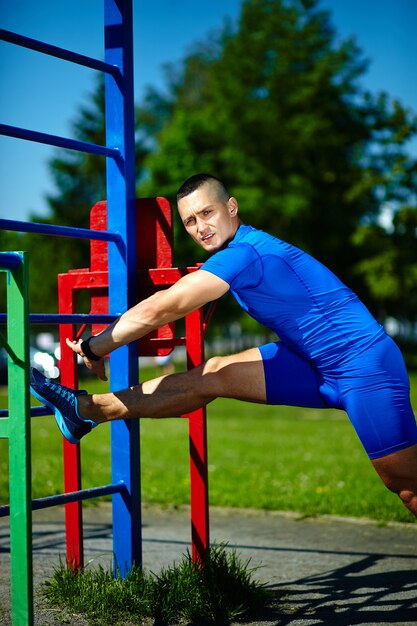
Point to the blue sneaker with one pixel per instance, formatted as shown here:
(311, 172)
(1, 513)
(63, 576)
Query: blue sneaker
(63, 402)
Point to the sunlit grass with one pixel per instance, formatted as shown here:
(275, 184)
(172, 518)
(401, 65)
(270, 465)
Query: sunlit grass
(276, 458)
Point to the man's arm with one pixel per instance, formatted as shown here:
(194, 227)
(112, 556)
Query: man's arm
(189, 293)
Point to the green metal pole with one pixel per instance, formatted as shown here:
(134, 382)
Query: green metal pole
(19, 446)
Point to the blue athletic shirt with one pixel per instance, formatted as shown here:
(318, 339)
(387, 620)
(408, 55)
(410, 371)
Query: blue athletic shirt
(303, 302)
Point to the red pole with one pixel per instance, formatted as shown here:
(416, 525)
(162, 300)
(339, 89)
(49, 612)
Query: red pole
(200, 541)
(71, 452)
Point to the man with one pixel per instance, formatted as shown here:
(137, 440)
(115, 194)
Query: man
(332, 352)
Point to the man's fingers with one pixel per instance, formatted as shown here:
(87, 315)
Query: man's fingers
(100, 370)
(74, 345)
(96, 366)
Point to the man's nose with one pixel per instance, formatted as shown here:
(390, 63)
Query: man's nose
(200, 224)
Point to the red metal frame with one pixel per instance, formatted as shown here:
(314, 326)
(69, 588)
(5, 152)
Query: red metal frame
(154, 271)
(197, 432)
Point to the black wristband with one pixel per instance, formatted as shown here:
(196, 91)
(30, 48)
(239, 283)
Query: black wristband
(85, 347)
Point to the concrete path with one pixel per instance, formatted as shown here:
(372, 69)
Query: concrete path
(334, 572)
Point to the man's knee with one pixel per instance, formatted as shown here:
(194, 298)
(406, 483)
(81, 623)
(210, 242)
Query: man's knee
(399, 470)
(213, 375)
(213, 365)
(404, 486)
(231, 376)
(408, 497)
(239, 376)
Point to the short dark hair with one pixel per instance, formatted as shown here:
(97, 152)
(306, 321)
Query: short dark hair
(196, 181)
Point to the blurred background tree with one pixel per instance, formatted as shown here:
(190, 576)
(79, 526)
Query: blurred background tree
(275, 107)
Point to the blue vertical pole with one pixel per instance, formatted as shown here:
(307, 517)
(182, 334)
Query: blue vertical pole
(127, 542)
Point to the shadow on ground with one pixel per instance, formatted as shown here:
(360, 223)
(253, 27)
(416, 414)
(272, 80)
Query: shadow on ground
(319, 572)
(347, 596)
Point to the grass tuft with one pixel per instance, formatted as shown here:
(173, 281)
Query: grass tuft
(220, 591)
(96, 594)
(223, 590)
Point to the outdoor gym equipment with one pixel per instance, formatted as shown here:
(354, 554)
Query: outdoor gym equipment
(114, 285)
(154, 270)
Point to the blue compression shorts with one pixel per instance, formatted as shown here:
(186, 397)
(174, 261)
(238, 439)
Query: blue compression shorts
(373, 388)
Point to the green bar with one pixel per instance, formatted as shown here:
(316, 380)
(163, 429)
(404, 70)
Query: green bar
(4, 421)
(19, 446)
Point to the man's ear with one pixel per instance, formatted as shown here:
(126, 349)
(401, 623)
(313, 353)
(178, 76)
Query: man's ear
(233, 206)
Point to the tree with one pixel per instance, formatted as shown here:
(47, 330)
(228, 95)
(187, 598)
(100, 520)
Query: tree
(389, 270)
(275, 107)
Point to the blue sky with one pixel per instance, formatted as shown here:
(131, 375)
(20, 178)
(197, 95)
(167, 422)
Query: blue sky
(42, 93)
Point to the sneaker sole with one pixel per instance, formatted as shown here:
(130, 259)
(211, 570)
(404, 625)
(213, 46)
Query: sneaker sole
(59, 418)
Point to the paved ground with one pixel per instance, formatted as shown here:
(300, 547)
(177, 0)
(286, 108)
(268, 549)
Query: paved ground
(324, 571)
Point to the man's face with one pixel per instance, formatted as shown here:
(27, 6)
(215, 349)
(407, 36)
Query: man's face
(210, 220)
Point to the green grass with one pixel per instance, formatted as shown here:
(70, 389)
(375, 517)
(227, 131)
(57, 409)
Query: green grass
(276, 458)
(221, 591)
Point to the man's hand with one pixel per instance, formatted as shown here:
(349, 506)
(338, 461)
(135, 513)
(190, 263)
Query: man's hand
(96, 366)
(168, 305)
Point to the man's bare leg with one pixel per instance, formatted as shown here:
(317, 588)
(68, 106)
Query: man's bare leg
(239, 376)
(399, 473)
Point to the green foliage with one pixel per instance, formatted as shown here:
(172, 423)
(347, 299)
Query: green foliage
(102, 599)
(389, 269)
(275, 107)
(80, 178)
(218, 592)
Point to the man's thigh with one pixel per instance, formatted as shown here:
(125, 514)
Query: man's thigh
(382, 417)
(239, 376)
(270, 374)
(375, 393)
(289, 379)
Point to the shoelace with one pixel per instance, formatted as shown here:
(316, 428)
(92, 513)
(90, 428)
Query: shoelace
(62, 391)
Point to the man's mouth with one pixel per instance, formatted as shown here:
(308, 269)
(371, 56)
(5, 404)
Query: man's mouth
(207, 237)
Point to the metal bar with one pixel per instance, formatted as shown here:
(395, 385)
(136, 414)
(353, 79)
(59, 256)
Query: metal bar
(197, 425)
(165, 342)
(76, 318)
(61, 231)
(57, 318)
(71, 453)
(87, 278)
(9, 260)
(35, 411)
(60, 142)
(208, 315)
(19, 447)
(164, 276)
(60, 53)
(121, 207)
(74, 496)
